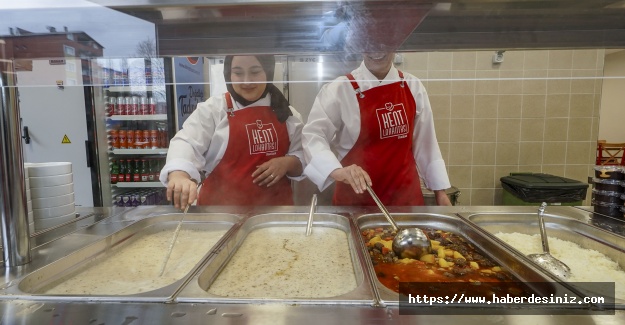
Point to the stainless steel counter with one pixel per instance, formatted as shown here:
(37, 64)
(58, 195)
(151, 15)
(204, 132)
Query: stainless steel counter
(97, 224)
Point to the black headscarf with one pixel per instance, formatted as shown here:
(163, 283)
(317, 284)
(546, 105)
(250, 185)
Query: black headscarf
(279, 104)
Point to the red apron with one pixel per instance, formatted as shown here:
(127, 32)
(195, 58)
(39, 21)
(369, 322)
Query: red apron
(384, 147)
(256, 136)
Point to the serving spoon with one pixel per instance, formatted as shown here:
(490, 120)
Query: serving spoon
(313, 208)
(409, 242)
(173, 240)
(545, 259)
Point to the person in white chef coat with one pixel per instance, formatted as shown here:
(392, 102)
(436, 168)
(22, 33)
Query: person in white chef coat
(374, 127)
(247, 141)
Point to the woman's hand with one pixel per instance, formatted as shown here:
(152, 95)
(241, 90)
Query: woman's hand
(353, 175)
(181, 188)
(442, 198)
(270, 172)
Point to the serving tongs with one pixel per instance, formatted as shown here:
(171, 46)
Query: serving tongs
(409, 242)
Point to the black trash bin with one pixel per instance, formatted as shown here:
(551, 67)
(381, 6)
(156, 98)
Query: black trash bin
(535, 188)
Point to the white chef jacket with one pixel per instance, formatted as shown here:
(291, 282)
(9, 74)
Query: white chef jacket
(334, 126)
(201, 143)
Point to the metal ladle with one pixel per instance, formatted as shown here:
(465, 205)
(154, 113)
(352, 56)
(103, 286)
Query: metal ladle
(544, 259)
(409, 242)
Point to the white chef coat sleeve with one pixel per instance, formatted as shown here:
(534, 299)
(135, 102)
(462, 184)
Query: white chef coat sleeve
(188, 147)
(323, 122)
(427, 153)
(294, 126)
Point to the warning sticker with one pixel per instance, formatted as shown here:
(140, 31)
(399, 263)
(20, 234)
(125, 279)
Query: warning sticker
(65, 139)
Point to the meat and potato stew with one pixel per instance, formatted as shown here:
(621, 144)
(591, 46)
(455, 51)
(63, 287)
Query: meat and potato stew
(452, 260)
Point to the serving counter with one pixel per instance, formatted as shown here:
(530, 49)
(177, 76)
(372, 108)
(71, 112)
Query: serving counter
(29, 294)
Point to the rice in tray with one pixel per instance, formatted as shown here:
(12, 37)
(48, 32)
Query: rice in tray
(586, 265)
(135, 268)
(281, 262)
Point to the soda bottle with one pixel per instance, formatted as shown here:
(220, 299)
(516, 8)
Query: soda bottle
(114, 138)
(114, 172)
(144, 171)
(151, 177)
(158, 165)
(126, 200)
(130, 138)
(136, 172)
(151, 106)
(143, 106)
(122, 107)
(153, 136)
(122, 136)
(118, 201)
(128, 175)
(122, 171)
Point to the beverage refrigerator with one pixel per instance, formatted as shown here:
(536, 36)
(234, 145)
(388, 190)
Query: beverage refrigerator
(133, 115)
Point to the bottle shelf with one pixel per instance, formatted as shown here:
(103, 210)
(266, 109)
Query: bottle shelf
(159, 151)
(154, 117)
(138, 184)
(133, 88)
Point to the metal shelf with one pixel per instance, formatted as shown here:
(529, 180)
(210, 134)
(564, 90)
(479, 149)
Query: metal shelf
(132, 88)
(138, 184)
(153, 117)
(159, 151)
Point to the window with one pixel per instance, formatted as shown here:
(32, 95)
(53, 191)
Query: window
(70, 66)
(69, 50)
(70, 36)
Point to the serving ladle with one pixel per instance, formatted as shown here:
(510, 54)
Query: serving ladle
(545, 259)
(408, 242)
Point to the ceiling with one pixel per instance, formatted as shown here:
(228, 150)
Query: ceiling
(213, 27)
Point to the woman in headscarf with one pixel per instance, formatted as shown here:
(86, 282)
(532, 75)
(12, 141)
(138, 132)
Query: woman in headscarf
(246, 141)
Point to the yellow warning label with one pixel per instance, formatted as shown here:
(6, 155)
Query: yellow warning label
(65, 139)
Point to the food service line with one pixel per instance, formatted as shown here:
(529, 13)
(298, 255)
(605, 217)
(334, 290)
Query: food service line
(257, 312)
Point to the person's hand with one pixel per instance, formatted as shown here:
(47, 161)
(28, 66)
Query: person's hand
(270, 172)
(353, 175)
(181, 188)
(442, 198)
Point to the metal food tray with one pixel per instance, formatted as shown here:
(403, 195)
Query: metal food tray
(31, 286)
(537, 281)
(196, 290)
(558, 226)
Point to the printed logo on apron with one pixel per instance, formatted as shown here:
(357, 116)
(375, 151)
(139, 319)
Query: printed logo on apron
(392, 121)
(262, 138)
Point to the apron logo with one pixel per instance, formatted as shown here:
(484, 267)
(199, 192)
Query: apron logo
(262, 138)
(392, 120)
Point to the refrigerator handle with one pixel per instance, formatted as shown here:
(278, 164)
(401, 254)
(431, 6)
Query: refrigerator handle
(26, 135)
(88, 150)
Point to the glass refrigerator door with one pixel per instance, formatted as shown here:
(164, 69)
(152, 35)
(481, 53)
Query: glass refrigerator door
(135, 122)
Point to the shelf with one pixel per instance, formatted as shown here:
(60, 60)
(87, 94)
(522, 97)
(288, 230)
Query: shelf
(153, 117)
(138, 184)
(133, 88)
(160, 151)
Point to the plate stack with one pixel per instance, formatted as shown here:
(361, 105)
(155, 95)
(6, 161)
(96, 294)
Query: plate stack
(29, 202)
(608, 190)
(51, 190)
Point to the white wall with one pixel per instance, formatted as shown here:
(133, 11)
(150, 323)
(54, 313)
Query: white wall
(612, 116)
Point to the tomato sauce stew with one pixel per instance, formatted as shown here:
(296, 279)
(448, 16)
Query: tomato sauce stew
(452, 260)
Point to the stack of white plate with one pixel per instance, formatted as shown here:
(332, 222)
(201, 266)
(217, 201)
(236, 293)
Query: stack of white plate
(51, 190)
(29, 202)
